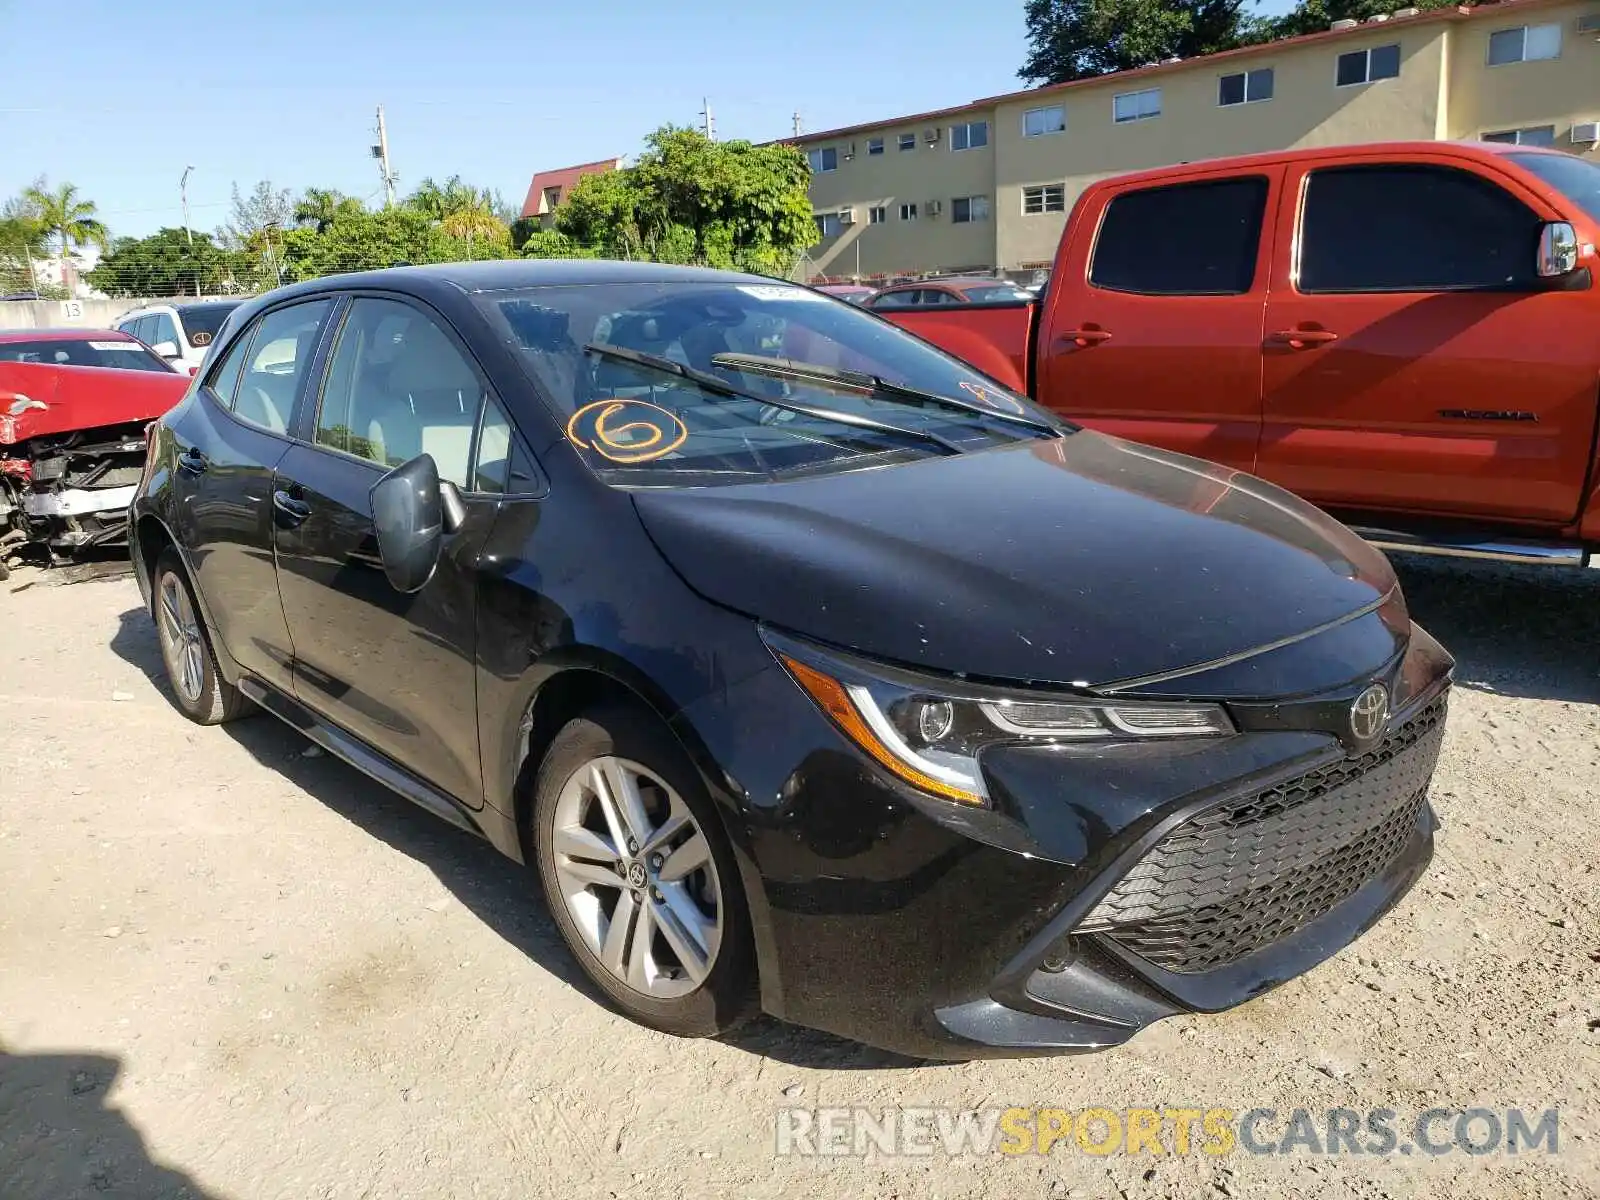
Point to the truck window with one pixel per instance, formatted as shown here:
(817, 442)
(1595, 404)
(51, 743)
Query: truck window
(1382, 228)
(1189, 239)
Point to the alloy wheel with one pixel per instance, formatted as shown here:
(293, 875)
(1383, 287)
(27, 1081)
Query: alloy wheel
(638, 878)
(180, 631)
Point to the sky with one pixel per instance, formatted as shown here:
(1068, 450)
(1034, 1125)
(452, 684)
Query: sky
(123, 97)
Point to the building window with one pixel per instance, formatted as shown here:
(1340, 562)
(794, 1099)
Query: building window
(1136, 106)
(966, 209)
(970, 136)
(1526, 43)
(827, 224)
(1191, 239)
(1045, 198)
(908, 212)
(823, 160)
(1368, 66)
(1375, 228)
(1041, 122)
(908, 141)
(1537, 135)
(877, 214)
(1245, 87)
(874, 146)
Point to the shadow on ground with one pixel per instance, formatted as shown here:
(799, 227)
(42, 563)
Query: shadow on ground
(499, 892)
(1517, 631)
(60, 1139)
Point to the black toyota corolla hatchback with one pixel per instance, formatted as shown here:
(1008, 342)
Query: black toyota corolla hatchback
(806, 668)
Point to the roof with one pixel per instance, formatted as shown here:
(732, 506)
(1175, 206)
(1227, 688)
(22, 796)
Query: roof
(563, 178)
(494, 275)
(1504, 9)
(183, 306)
(57, 333)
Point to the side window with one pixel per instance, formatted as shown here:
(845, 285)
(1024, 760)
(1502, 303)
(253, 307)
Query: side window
(224, 379)
(1377, 229)
(164, 329)
(1191, 239)
(397, 387)
(141, 329)
(280, 355)
(500, 465)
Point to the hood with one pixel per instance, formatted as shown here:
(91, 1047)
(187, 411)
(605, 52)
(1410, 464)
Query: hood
(81, 397)
(1085, 560)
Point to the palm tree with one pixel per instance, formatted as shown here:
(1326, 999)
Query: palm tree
(319, 207)
(62, 216)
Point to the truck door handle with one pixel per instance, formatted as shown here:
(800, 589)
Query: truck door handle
(1082, 338)
(1302, 339)
(192, 461)
(290, 510)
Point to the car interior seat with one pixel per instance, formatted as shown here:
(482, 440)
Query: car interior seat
(429, 404)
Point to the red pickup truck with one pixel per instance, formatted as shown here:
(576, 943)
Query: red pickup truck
(1407, 334)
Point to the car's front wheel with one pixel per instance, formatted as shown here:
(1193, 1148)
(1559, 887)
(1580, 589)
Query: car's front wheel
(639, 875)
(203, 695)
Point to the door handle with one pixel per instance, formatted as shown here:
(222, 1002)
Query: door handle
(1302, 339)
(192, 461)
(1082, 338)
(290, 510)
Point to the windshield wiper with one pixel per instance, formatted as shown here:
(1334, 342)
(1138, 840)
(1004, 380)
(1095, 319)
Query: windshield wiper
(712, 383)
(860, 381)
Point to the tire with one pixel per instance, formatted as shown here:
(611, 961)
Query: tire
(198, 688)
(643, 915)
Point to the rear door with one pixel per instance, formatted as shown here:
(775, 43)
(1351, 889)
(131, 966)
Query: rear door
(395, 670)
(229, 439)
(1413, 360)
(1152, 327)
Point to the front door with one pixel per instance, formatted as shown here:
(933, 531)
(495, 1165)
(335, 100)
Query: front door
(1161, 342)
(229, 439)
(395, 670)
(1413, 359)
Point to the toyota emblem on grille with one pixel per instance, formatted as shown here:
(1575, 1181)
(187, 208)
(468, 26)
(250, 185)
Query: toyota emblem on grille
(1369, 713)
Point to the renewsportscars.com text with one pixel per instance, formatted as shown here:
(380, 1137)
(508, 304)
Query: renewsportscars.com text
(841, 1132)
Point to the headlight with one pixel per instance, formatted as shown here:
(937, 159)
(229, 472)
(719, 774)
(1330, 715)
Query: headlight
(930, 733)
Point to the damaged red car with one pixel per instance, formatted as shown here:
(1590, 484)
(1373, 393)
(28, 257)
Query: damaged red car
(74, 404)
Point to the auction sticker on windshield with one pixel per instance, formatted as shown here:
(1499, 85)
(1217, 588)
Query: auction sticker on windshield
(764, 291)
(131, 347)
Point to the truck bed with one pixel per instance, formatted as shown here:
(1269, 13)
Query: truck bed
(996, 339)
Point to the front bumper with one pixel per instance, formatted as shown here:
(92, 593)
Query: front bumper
(1108, 887)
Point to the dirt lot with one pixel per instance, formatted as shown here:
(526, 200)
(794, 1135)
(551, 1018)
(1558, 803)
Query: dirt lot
(228, 969)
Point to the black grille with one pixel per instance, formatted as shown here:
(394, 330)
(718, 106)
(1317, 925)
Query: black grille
(1244, 874)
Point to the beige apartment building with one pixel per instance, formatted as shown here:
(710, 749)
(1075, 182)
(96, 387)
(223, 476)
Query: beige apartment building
(988, 184)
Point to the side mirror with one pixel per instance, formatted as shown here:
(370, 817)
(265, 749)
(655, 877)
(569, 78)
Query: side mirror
(1558, 250)
(167, 349)
(412, 510)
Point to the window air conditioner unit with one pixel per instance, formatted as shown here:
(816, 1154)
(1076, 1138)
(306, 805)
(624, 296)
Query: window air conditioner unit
(850, 153)
(932, 136)
(1589, 23)
(1586, 132)
(935, 207)
(847, 216)
(1345, 23)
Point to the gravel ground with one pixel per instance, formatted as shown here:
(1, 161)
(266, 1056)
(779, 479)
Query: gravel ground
(230, 969)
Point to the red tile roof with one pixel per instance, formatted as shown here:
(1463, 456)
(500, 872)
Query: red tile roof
(564, 179)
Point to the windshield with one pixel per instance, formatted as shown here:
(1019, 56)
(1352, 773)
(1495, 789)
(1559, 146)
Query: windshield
(778, 380)
(201, 321)
(1579, 181)
(89, 352)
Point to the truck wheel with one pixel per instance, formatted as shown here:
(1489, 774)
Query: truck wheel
(202, 694)
(639, 875)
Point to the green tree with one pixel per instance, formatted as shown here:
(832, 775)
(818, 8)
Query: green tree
(464, 212)
(21, 240)
(359, 240)
(1313, 16)
(166, 263)
(1079, 39)
(319, 206)
(65, 218)
(691, 200)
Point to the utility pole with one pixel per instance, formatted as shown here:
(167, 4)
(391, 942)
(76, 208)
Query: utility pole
(797, 123)
(381, 153)
(183, 194)
(708, 123)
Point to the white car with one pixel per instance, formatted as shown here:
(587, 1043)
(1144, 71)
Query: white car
(181, 333)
